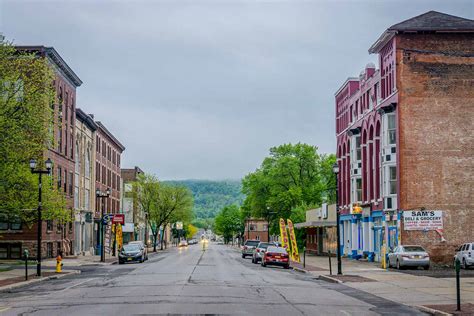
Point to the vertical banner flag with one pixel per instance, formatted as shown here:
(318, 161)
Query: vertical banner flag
(283, 234)
(294, 246)
(118, 234)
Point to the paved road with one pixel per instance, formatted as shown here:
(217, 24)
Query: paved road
(192, 281)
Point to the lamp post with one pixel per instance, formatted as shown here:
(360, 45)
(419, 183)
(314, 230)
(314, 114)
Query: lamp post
(102, 195)
(40, 172)
(335, 169)
(268, 222)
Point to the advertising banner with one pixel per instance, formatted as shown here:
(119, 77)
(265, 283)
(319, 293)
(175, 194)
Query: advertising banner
(118, 236)
(294, 246)
(423, 220)
(284, 235)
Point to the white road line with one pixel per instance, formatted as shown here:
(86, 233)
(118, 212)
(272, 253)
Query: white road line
(80, 283)
(345, 312)
(4, 309)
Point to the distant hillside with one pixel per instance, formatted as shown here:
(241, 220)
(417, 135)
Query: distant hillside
(211, 196)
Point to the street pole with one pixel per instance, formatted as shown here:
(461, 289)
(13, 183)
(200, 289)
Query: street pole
(338, 233)
(40, 173)
(102, 235)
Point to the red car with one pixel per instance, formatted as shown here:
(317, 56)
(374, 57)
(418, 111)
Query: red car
(276, 256)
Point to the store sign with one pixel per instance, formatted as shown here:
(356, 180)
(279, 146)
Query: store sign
(423, 220)
(119, 219)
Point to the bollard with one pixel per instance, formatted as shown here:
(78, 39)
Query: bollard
(330, 265)
(304, 257)
(59, 264)
(458, 285)
(26, 253)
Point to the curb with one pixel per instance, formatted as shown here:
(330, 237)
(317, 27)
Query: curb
(300, 270)
(328, 278)
(431, 311)
(9, 287)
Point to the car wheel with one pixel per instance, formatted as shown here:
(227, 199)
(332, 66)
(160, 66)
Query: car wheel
(263, 263)
(287, 266)
(464, 265)
(426, 267)
(120, 262)
(243, 256)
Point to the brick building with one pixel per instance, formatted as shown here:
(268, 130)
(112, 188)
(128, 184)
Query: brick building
(107, 174)
(405, 139)
(256, 229)
(54, 236)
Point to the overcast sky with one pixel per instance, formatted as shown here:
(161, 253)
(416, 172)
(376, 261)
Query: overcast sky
(202, 89)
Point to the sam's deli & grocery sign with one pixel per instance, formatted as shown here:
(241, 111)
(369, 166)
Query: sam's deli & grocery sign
(423, 220)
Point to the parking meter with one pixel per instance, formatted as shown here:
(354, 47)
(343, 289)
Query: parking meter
(26, 253)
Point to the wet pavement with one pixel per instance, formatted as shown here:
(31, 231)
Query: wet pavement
(192, 281)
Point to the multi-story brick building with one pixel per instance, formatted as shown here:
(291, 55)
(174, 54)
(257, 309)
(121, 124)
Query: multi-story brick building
(55, 236)
(107, 174)
(84, 184)
(405, 140)
(256, 229)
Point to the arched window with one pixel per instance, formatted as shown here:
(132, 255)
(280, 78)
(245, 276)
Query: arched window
(88, 162)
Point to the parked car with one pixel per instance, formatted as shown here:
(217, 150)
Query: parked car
(409, 256)
(276, 256)
(131, 253)
(465, 254)
(192, 241)
(142, 245)
(249, 247)
(183, 243)
(260, 250)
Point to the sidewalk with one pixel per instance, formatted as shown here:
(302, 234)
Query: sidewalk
(400, 287)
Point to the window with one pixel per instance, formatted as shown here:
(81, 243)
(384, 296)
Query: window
(15, 224)
(65, 181)
(49, 225)
(3, 222)
(71, 180)
(391, 129)
(60, 174)
(77, 158)
(88, 164)
(60, 139)
(252, 227)
(393, 180)
(49, 250)
(358, 149)
(15, 251)
(97, 144)
(97, 171)
(3, 251)
(359, 189)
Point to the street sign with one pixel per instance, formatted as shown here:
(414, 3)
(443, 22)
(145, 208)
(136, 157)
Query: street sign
(119, 219)
(423, 220)
(107, 218)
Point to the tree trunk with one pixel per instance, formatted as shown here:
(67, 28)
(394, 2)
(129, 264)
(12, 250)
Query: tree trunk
(155, 236)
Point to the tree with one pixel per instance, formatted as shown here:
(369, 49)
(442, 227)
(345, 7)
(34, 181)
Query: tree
(191, 230)
(26, 125)
(228, 222)
(145, 192)
(292, 176)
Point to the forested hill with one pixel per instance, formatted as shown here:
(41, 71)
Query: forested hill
(211, 196)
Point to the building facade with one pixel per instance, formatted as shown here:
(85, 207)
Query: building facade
(135, 220)
(320, 226)
(108, 150)
(56, 237)
(256, 229)
(405, 140)
(84, 184)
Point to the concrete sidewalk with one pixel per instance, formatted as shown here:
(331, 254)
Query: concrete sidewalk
(397, 286)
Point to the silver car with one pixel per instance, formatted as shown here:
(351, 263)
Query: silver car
(465, 254)
(142, 247)
(260, 251)
(409, 256)
(249, 247)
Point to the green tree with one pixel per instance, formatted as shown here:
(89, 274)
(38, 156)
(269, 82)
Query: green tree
(191, 230)
(26, 125)
(228, 222)
(292, 175)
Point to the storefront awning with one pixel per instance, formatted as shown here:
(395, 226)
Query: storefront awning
(315, 224)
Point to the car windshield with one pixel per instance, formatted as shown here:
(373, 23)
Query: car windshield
(131, 248)
(264, 245)
(276, 249)
(252, 243)
(413, 248)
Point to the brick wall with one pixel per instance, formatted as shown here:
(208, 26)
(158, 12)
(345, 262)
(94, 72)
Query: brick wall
(436, 135)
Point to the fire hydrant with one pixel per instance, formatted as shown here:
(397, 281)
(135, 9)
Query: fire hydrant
(59, 264)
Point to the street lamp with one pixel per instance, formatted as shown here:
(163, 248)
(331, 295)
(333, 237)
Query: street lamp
(33, 164)
(268, 222)
(335, 169)
(102, 195)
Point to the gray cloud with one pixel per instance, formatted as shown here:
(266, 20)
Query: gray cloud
(202, 89)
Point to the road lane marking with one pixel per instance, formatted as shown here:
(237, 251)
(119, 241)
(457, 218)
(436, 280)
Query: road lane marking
(345, 312)
(4, 309)
(80, 283)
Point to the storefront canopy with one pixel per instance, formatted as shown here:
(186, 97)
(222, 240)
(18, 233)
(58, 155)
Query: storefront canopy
(315, 224)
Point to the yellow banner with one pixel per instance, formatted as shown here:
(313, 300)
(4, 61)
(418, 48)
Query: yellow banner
(284, 235)
(118, 236)
(294, 246)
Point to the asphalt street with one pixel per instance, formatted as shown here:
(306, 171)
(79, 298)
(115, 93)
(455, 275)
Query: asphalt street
(192, 281)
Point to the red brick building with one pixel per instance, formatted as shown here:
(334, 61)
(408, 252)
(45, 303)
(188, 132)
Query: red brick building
(54, 236)
(256, 229)
(405, 140)
(107, 173)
